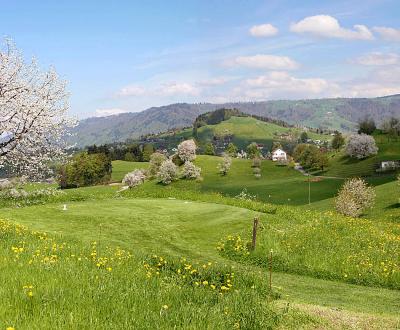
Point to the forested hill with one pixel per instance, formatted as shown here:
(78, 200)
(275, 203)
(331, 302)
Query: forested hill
(338, 113)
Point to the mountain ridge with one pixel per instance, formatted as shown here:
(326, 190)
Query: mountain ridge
(329, 113)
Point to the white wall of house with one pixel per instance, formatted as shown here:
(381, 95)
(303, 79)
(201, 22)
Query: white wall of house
(279, 154)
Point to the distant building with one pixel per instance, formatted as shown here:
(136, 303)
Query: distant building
(279, 155)
(388, 165)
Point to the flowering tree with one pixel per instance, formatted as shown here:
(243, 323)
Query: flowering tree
(225, 165)
(191, 171)
(187, 151)
(134, 179)
(361, 146)
(168, 172)
(354, 198)
(156, 159)
(33, 120)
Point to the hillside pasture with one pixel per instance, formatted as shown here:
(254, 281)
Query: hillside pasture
(268, 188)
(343, 166)
(120, 168)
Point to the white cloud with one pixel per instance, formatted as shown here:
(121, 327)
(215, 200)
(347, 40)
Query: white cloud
(388, 33)
(329, 27)
(173, 88)
(131, 91)
(380, 82)
(165, 89)
(109, 112)
(378, 59)
(270, 62)
(281, 84)
(263, 30)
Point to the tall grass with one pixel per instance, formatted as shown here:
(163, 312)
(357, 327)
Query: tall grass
(324, 245)
(49, 283)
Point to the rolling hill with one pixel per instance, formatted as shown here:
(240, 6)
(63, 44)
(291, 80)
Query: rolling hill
(240, 130)
(338, 113)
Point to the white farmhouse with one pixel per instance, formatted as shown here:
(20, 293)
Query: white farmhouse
(279, 154)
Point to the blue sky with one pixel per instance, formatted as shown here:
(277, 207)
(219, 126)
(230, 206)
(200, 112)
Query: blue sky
(130, 55)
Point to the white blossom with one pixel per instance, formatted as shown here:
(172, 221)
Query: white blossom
(168, 172)
(33, 107)
(134, 179)
(187, 151)
(225, 165)
(361, 146)
(354, 197)
(191, 171)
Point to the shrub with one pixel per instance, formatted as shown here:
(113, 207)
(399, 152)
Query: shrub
(303, 137)
(361, 146)
(310, 156)
(252, 150)
(366, 126)
(191, 171)
(209, 149)
(354, 198)
(337, 141)
(187, 150)
(225, 165)
(231, 150)
(156, 159)
(134, 179)
(85, 170)
(168, 172)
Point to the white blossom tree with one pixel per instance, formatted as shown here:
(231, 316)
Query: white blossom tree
(168, 172)
(135, 178)
(354, 197)
(361, 146)
(191, 171)
(33, 113)
(187, 151)
(225, 165)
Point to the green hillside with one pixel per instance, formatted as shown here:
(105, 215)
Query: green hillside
(344, 166)
(268, 188)
(243, 130)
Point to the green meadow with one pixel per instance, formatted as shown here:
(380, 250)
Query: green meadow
(179, 256)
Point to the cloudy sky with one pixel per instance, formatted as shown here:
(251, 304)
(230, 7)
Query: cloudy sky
(130, 55)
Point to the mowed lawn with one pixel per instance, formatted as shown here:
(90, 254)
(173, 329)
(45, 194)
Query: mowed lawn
(120, 168)
(190, 229)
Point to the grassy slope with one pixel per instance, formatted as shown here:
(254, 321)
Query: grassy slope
(273, 179)
(191, 229)
(120, 168)
(343, 166)
(245, 131)
(387, 203)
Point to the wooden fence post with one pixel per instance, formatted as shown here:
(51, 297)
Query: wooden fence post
(255, 227)
(270, 270)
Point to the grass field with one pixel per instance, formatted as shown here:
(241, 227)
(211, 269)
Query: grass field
(343, 166)
(268, 188)
(120, 168)
(122, 255)
(171, 228)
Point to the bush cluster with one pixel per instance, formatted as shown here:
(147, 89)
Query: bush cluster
(85, 170)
